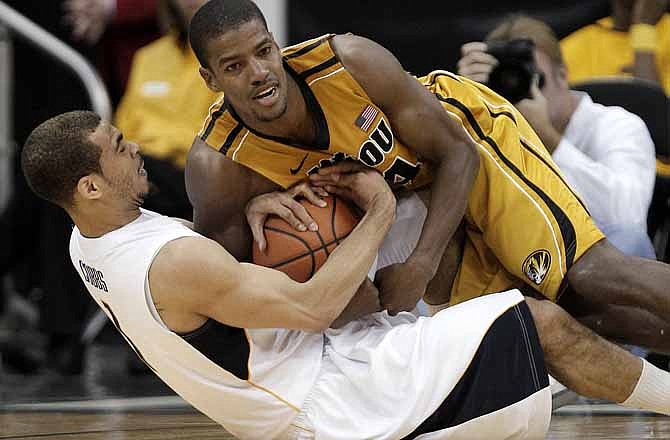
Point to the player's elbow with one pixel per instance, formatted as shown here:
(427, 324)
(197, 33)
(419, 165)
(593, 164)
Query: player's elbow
(310, 308)
(316, 320)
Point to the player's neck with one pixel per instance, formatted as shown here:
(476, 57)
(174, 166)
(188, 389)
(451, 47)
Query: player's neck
(96, 221)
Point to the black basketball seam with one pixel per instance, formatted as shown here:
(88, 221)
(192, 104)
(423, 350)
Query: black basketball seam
(323, 243)
(309, 252)
(292, 259)
(332, 220)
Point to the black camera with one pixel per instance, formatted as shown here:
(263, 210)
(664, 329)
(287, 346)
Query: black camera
(513, 75)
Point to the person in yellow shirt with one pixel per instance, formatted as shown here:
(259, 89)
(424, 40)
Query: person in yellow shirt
(164, 106)
(633, 41)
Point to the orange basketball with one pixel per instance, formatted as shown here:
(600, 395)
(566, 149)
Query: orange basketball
(301, 254)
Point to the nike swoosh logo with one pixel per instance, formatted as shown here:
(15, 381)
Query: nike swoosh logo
(295, 171)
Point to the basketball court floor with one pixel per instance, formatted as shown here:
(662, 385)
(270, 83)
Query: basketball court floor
(107, 403)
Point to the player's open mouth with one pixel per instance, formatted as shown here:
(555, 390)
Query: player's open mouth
(266, 96)
(141, 171)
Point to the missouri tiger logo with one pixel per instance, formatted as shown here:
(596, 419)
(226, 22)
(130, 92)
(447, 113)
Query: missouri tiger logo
(537, 265)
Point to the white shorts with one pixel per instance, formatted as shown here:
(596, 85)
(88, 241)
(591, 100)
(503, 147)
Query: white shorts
(473, 371)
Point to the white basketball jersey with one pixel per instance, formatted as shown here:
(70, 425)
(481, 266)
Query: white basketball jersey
(253, 382)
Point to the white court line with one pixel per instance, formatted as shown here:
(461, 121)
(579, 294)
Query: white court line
(601, 409)
(176, 402)
(126, 404)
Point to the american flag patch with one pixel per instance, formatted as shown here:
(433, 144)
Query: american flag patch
(366, 118)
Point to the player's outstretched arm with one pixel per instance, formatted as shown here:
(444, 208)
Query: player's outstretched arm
(209, 175)
(194, 278)
(420, 122)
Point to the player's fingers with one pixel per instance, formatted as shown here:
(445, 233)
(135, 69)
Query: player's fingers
(301, 214)
(339, 191)
(332, 178)
(256, 223)
(350, 181)
(288, 216)
(320, 191)
(310, 194)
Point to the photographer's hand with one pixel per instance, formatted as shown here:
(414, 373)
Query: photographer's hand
(475, 62)
(536, 112)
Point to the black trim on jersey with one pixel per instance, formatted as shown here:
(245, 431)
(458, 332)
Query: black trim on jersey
(137, 351)
(564, 223)
(491, 112)
(322, 141)
(222, 344)
(434, 76)
(502, 113)
(307, 48)
(230, 138)
(532, 150)
(535, 153)
(507, 368)
(316, 69)
(216, 115)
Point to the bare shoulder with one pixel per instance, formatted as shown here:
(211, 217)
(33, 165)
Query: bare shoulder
(188, 254)
(189, 264)
(185, 274)
(377, 70)
(358, 54)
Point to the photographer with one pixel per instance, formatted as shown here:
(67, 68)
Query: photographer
(605, 153)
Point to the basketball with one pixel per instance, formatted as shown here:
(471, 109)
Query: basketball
(301, 254)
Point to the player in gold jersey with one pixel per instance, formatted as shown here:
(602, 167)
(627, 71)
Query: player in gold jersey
(286, 115)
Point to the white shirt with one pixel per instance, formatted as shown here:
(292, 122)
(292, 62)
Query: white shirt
(251, 381)
(608, 157)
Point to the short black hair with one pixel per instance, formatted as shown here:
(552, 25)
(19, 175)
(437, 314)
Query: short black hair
(58, 153)
(217, 17)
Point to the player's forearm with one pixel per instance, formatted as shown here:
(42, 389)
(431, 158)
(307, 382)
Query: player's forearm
(448, 201)
(338, 279)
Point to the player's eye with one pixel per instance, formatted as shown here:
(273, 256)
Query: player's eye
(265, 51)
(232, 67)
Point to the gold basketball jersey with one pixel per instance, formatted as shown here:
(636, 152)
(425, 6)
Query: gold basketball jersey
(349, 125)
(523, 222)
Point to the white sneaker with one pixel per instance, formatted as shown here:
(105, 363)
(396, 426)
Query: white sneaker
(560, 395)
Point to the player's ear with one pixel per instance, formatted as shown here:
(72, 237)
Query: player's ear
(89, 187)
(209, 79)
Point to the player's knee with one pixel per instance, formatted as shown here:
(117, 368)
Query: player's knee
(552, 324)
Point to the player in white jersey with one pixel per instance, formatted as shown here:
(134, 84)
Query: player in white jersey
(253, 350)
